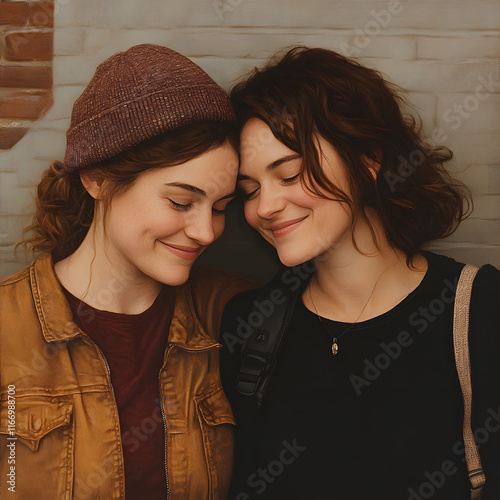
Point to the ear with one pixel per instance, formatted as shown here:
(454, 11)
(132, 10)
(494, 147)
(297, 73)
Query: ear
(374, 162)
(92, 186)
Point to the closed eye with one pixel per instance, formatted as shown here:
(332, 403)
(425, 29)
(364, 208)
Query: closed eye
(219, 211)
(290, 179)
(220, 206)
(247, 195)
(180, 206)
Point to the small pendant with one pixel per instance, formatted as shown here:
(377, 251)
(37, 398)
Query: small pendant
(335, 347)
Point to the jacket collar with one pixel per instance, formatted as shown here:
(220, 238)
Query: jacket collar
(56, 316)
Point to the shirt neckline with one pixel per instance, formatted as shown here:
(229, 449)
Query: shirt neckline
(382, 318)
(118, 317)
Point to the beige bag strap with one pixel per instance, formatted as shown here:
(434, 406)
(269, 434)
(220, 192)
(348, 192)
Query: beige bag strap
(462, 360)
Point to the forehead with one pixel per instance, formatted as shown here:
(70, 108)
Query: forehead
(214, 171)
(259, 145)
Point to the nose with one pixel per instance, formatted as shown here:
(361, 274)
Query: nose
(201, 228)
(270, 202)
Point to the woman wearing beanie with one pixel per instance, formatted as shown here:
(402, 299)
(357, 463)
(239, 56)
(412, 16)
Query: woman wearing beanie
(108, 353)
(358, 387)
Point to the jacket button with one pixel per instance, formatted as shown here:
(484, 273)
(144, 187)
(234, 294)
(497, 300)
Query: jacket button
(37, 424)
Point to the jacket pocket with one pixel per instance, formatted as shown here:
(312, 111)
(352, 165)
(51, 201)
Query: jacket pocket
(39, 440)
(217, 425)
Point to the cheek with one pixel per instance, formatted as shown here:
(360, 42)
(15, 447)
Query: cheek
(121, 221)
(301, 197)
(136, 212)
(332, 221)
(218, 225)
(161, 223)
(173, 223)
(250, 211)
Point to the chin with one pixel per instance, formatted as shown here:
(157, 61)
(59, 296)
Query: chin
(291, 259)
(174, 276)
(294, 254)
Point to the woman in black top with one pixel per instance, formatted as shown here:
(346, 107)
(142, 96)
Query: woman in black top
(364, 401)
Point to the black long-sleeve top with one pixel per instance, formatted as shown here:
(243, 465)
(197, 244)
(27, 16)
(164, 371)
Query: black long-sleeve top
(382, 420)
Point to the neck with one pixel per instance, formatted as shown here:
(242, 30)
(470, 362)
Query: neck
(104, 281)
(355, 285)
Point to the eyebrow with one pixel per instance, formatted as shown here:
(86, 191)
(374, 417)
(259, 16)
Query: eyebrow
(187, 187)
(273, 165)
(194, 189)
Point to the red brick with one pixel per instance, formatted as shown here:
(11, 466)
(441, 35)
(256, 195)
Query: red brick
(26, 77)
(30, 46)
(16, 13)
(10, 136)
(42, 14)
(24, 105)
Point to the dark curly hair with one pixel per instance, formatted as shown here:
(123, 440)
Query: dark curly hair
(316, 91)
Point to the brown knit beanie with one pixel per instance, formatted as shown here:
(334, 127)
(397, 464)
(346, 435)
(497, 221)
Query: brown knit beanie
(137, 95)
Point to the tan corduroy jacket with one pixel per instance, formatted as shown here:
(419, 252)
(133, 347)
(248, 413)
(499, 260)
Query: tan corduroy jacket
(59, 430)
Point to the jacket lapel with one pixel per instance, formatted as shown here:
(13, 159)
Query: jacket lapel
(56, 317)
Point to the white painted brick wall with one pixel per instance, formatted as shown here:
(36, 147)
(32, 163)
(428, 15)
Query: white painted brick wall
(438, 50)
(472, 47)
(494, 179)
(462, 113)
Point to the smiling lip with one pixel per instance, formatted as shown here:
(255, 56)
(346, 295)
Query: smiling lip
(186, 253)
(285, 227)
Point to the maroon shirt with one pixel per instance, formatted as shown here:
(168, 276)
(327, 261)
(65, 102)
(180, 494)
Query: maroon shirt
(134, 346)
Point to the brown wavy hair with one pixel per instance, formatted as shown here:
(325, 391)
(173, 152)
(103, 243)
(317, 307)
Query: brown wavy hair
(64, 209)
(306, 92)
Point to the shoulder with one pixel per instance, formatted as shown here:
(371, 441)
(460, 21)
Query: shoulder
(486, 286)
(485, 301)
(442, 264)
(283, 289)
(288, 283)
(241, 303)
(211, 289)
(484, 339)
(209, 283)
(15, 278)
(488, 280)
(14, 289)
(18, 318)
